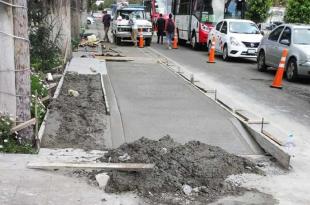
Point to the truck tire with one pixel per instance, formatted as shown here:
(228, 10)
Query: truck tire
(118, 40)
(148, 41)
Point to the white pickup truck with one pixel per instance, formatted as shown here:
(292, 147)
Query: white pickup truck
(121, 28)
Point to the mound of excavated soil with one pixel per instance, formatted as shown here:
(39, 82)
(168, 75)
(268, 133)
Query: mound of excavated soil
(203, 167)
(77, 121)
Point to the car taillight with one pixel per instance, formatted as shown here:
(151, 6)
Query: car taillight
(204, 27)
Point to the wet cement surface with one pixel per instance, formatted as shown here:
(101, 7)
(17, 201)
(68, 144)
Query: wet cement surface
(153, 102)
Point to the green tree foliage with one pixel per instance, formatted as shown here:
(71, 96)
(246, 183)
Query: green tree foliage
(257, 10)
(279, 2)
(298, 11)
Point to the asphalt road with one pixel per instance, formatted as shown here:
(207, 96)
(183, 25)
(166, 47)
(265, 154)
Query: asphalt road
(240, 80)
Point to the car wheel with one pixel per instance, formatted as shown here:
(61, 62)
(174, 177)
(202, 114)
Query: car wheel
(88, 22)
(225, 53)
(261, 65)
(291, 70)
(193, 42)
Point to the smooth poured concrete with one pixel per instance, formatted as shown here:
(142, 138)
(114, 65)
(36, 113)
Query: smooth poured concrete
(154, 102)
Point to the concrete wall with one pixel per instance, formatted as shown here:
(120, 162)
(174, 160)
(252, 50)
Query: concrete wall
(7, 78)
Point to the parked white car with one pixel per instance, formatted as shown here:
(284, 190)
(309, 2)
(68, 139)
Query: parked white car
(235, 38)
(90, 20)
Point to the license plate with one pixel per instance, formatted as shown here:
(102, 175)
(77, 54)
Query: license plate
(251, 51)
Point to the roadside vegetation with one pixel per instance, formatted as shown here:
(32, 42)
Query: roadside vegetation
(257, 10)
(298, 11)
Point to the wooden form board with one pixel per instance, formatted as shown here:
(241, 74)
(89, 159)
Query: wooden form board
(275, 134)
(250, 117)
(24, 125)
(103, 166)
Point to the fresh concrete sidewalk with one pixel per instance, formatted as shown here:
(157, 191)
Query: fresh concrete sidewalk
(154, 102)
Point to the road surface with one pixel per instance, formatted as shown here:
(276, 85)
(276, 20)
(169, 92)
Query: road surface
(239, 79)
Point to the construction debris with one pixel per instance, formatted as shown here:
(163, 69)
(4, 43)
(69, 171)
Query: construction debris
(194, 171)
(73, 93)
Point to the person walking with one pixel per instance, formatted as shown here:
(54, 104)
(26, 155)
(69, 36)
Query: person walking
(106, 20)
(134, 29)
(160, 24)
(169, 31)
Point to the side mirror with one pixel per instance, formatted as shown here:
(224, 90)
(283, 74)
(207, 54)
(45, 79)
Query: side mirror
(285, 42)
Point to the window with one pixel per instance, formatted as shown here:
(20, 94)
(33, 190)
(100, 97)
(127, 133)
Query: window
(184, 8)
(286, 35)
(233, 8)
(302, 36)
(243, 27)
(224, 27)
(218, 26)
(274, 36)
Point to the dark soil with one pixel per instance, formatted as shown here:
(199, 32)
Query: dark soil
(196, 164)
(77, 122)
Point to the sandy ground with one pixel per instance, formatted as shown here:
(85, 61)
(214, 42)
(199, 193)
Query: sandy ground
(77, 122)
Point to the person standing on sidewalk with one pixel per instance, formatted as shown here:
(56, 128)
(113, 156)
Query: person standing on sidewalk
(160, 24)
(169, 31)
(134, 29)
(106, 20)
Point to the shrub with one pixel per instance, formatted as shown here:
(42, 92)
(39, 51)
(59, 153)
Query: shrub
(257, 10)
(11, 142)
(298, 11)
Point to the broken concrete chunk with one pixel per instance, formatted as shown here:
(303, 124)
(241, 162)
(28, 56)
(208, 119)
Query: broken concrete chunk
(196, 189)
(73, 93)
(187, 189)
(102, 179)
(49, 77)
(164, 150)
(124, 157)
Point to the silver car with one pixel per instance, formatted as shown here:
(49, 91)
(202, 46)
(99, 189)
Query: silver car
(296, 38)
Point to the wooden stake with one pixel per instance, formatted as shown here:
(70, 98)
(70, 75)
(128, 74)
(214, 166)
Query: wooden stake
(104, 166)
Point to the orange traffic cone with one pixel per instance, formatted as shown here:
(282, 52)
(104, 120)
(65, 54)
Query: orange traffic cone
(175, 41)
(277, 81)
(212, 52)
(141, 43)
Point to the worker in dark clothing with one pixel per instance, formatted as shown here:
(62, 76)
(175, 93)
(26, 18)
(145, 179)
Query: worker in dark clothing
(106, 20)
(160, 24)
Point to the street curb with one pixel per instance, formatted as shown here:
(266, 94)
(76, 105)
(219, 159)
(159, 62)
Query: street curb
(265, 142)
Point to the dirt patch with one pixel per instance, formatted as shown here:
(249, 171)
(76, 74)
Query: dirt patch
(77, 121)
(193, 173)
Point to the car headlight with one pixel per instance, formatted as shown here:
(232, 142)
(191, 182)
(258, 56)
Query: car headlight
(234, 41)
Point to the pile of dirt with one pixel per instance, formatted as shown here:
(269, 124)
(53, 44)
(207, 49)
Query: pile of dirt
(77, 119)
(195, 170)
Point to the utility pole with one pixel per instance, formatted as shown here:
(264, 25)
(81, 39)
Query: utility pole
(22, 67)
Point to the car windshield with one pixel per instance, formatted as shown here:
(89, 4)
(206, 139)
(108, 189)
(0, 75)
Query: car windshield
(127, 14)
(302, 36)
(243, 27)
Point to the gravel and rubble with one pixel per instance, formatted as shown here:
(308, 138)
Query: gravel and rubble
(191, 173)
